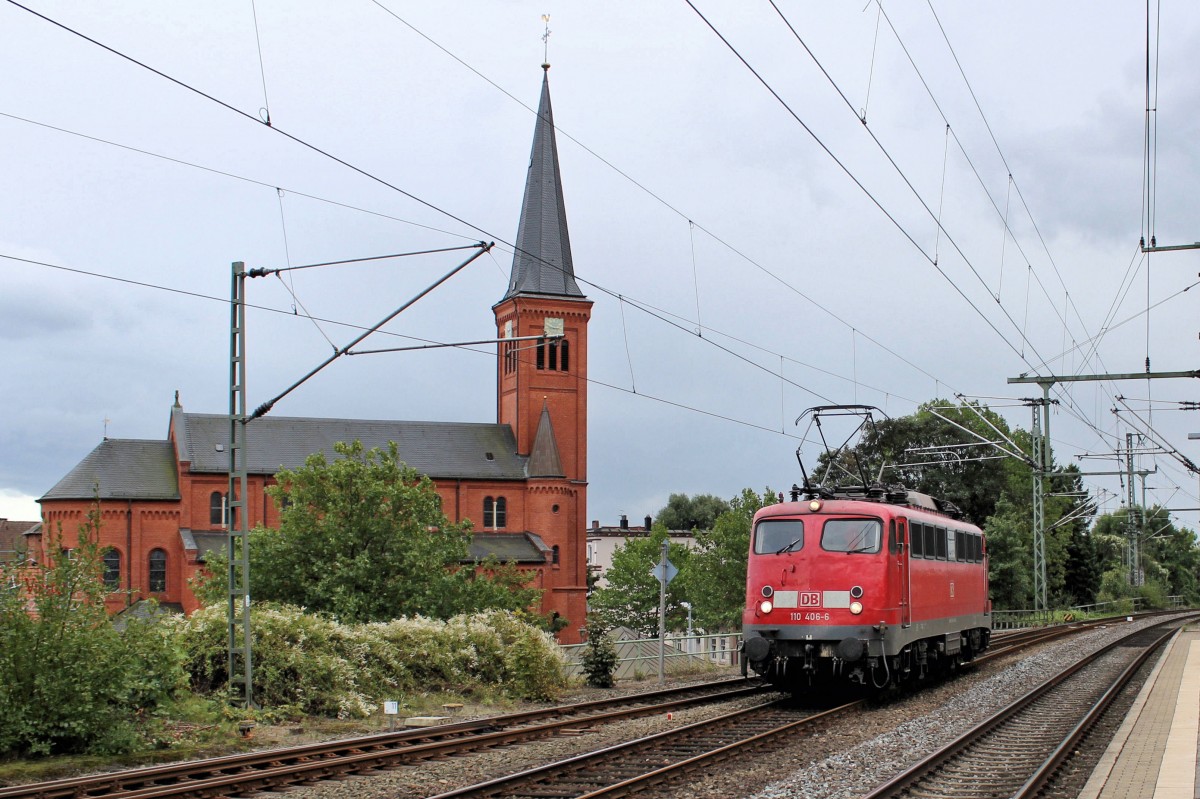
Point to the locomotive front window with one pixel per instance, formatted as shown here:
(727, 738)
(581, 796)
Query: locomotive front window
(852, 535)
(776, 536)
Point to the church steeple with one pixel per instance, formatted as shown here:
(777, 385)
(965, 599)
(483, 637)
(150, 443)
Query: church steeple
(545, 372)
(542, 372)
(542, 263)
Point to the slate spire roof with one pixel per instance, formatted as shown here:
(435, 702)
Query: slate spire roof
(542, 263)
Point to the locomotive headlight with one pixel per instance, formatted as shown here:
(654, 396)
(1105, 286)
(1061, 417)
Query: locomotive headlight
(766, 606)
(814, 505)
(856, 608)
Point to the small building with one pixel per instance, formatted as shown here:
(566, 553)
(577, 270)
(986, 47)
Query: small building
(14, 543)
(602, 543)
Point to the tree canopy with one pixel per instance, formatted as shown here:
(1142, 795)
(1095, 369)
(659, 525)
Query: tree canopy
(364, 538)
(631, 597)
(698, 512)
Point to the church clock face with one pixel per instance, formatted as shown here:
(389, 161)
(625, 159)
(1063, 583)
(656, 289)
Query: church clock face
(554, 326)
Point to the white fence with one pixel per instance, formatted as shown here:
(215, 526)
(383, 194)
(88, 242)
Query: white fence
(638, 657)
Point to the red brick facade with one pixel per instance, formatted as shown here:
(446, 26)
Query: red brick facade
(157, 507)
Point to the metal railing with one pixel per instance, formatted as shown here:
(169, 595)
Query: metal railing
(682, 654)
(1018, 619)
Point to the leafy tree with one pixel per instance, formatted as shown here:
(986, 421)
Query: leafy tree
(69, 681)
(1084, 570)
(715, 578)
(599, 657)
(363, 538)
(691, 513)
(1175, 549)
(1010, 556)
(631, 597)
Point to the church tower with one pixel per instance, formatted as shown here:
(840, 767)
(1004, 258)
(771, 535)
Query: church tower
(542, 380)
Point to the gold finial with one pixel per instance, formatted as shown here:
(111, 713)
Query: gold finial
(546, 42)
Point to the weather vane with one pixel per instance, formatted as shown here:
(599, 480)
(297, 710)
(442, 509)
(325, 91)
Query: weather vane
(546, 40)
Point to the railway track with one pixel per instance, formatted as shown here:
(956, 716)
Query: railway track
(279, 768)
(691, 747)
(1018, 750)
(639, 765)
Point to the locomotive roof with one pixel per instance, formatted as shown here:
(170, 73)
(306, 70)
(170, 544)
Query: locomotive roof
(886, 495)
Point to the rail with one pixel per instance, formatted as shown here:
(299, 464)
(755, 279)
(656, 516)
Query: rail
(637, 658)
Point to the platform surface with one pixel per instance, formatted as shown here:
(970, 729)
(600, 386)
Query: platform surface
(1153, 754)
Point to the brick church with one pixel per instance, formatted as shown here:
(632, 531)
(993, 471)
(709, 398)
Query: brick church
(521, 481)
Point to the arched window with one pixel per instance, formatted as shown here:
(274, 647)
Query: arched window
(112, 570)
(158, 571)
(217, 503)
(554, 555)
(541, 353)
(495, 512)
(563, 355)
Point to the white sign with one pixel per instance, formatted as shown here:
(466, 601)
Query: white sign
(670, 571)
(391, 708)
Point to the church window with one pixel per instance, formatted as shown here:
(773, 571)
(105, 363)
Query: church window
(541, 353)
(563, 352)
(158, 570)
(112, 570)
(554, 555)
(495, 512)
(554, 355)
(216, 508)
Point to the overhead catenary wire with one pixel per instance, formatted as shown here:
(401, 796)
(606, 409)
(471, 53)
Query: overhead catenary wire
(875, 340)
(780, 370)
(489, 353)
(277, 130)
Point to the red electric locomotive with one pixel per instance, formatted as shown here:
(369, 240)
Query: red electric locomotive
(875, 586)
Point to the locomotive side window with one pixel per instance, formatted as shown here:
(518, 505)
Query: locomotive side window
(893, 544)
(916, 534)
(960, 545)
(930, 541)
(977, 547)
(776, 536)
(941, 543)
(852, 535)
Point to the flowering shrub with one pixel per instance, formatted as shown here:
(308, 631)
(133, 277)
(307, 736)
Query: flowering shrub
(69, 681)
(311, 664)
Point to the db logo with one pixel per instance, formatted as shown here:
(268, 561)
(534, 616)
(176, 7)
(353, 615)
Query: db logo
(810, 599)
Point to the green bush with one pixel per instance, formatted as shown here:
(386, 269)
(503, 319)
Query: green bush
(69, 681)
(311, 664)
(599, 659)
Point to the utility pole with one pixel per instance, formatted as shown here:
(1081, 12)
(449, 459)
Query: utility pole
(241, 659)
(1131, 546)
(663, 564)
(1041, 467)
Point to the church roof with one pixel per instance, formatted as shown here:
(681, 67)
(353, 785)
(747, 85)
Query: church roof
(437, 449)
(508, 547)
(122, 468)
(542, 263)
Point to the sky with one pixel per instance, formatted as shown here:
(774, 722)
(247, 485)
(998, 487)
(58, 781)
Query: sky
(773, 207)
